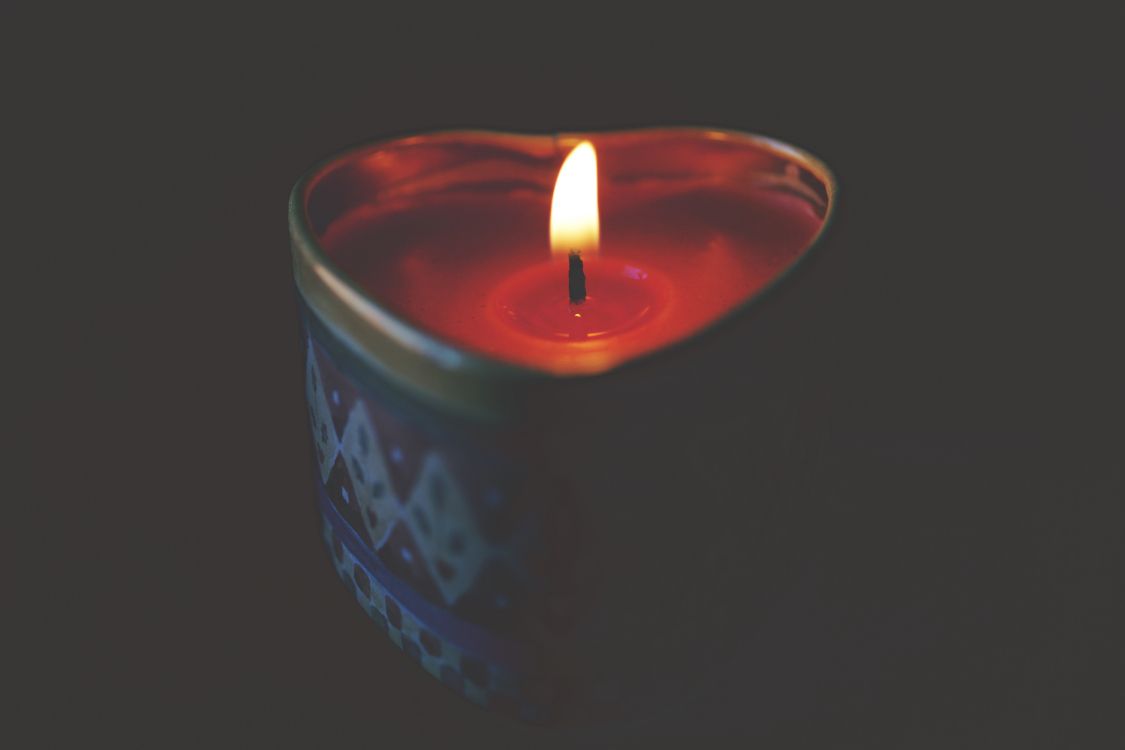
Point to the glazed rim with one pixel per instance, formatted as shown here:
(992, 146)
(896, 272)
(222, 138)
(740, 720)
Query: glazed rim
(442, 373)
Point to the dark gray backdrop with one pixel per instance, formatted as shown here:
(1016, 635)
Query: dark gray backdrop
(174, 588)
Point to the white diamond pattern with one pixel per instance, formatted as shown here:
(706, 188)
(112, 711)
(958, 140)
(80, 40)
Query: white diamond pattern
(439, 517)
(363, 456)
(436, 512)
(320, 418)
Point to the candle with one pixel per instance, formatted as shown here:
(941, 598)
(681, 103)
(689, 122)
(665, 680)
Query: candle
(625, 295)
(688, 230)
(513, 506)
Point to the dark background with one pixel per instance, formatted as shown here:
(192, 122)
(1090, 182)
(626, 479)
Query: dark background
(171, 585)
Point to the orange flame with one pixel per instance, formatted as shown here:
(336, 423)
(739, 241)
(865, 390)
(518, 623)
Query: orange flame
(574, 205)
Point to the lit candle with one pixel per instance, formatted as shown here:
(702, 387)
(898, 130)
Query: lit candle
(479, 253)
(603, 298)
(485, 460)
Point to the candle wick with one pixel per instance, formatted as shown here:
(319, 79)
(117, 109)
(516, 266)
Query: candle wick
(577, 278)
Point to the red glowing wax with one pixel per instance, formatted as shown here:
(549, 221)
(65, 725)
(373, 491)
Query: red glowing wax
(452, 238)
(620, 296)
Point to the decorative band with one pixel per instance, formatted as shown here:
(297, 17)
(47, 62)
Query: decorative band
(485, 681)
(438, 619)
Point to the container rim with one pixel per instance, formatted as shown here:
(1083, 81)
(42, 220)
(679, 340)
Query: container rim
(443, 373)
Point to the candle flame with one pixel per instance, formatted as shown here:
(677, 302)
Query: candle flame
(574, 205)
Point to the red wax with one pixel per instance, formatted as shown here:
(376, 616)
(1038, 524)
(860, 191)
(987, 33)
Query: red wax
(620, 296)
(691, 227)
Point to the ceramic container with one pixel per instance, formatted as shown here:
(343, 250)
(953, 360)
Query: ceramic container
(555, 547)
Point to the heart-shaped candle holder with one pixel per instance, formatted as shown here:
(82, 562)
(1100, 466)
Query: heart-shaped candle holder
(532, 516)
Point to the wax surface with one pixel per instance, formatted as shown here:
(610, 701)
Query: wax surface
(683, 246)
(621, 296)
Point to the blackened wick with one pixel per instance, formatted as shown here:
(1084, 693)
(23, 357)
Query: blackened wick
(577, 278)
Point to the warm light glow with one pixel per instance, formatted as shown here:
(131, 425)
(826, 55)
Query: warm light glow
(574, 206)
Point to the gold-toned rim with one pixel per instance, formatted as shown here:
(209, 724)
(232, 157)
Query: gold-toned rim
(441, 373)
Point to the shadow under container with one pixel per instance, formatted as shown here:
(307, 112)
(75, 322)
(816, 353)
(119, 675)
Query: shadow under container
(564, 547)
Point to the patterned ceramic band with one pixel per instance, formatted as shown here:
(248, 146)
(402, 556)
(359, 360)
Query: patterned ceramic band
(433, 534)
(491, 684)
